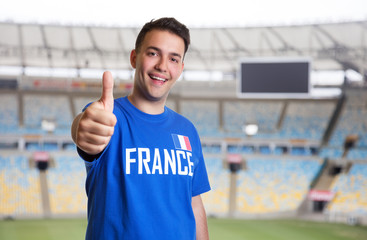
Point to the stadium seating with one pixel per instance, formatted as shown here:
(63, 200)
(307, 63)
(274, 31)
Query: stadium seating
(8, 113)
(331, 152)
(81, 102)
(211, 148)
(39, 107)
(237, 114)
(216, 201)
(270, 183)
(274, 185)
(357, 154)
(171, 104)
(306, 120)
(350, 191)
(67, 184)
(19, 187)
(352, 121)
(239, 149)
(204, 114)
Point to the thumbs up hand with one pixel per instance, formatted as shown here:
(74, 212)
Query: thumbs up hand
(107, 92)
(92, 130)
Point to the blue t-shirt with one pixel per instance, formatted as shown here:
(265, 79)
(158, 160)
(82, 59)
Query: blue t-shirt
(141, 186)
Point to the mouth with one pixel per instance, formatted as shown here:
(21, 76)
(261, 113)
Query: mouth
(155, 77)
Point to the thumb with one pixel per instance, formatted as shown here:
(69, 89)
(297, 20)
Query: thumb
(107, 91)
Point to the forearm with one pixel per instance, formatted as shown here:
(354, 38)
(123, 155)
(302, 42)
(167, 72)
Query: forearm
(200, 218)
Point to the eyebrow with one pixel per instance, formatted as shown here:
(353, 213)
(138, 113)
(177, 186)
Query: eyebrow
(159, 50)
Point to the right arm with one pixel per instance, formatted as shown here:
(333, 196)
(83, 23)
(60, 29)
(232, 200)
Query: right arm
(92, 129)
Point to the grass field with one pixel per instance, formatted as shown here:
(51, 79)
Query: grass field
(219, 229)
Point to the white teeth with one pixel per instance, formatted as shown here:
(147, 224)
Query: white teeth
(158, 78)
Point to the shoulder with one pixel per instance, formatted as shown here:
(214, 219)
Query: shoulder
(180, 119)
(183, 126)
(121, 105)
(120, 102)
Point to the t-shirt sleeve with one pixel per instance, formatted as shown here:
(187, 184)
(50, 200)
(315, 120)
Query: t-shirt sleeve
(200, 181)
(86, 157)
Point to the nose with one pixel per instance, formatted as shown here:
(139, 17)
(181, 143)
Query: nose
(161, 64)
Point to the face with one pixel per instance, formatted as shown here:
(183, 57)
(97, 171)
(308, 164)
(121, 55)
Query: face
(158, 65)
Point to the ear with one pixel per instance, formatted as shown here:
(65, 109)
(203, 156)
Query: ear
(133, 58)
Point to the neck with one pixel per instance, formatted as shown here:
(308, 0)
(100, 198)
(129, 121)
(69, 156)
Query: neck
(147, 106)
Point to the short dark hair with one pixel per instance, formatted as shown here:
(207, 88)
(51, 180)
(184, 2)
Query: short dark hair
(166, 24)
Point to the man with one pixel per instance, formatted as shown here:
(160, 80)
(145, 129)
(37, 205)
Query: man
(145, 168)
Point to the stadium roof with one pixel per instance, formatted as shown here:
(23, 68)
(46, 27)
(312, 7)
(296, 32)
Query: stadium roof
(334, 46)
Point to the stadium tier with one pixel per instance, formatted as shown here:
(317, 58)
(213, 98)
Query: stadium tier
(282, 160)
(9, 113)
(217, 200)
(55, 109)
(356, 154)
(19, 186)
(306, 120)
(204, 115)
(274, 185)
(350, 192)
(66, 185)
(264, 113)
(276, 120)
(352, 121)
(80, 102)
(264, 185)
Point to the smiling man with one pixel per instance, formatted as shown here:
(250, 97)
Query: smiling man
(159, 63)
(145, 165)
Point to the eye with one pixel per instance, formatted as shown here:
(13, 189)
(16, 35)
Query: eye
(151, 53)
(176, 60)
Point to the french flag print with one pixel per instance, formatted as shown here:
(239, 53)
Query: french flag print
(181, 142)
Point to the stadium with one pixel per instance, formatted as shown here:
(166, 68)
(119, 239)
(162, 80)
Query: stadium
(272, 154)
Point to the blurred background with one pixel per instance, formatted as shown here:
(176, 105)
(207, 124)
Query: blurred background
(276, 89)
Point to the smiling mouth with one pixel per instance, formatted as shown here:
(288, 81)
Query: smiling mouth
(157, 78)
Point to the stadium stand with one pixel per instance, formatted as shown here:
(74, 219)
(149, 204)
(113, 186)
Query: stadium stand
(274, 184)
(357, 154)
(204, 115)
(81, 102)
(263, 113)
(350, 192)
(331, 152)
(352, 121)
(282, 159)
(217, 200)
(306, 120)
(8, 113)
(66, 185)
(54, 108)
(171, 104)
(19, 186)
